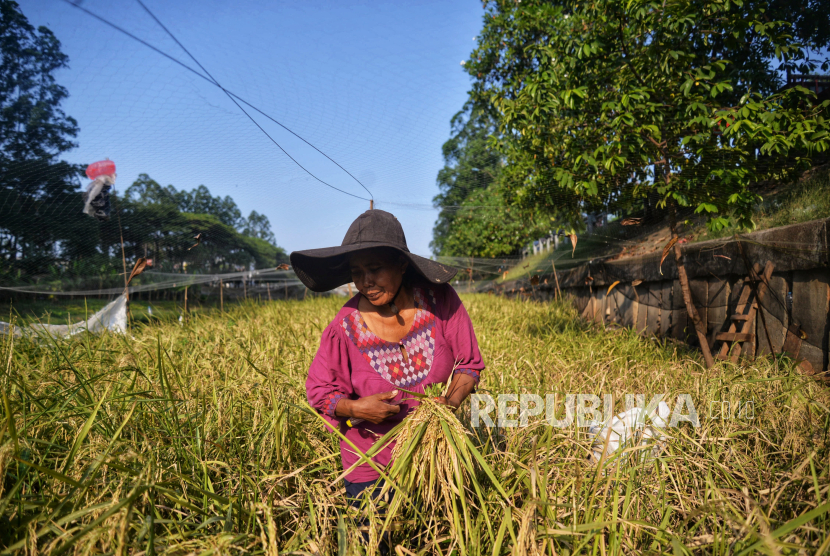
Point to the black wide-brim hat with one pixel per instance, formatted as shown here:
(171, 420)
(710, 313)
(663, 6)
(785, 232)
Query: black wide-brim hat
(324, 269)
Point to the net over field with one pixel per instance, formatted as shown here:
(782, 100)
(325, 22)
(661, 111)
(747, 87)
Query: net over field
(635, 195)
(211, 145)
(218, 143)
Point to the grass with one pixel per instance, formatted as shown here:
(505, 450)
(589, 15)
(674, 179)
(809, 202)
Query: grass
(805, 200)
(52, 310)
(194, 438)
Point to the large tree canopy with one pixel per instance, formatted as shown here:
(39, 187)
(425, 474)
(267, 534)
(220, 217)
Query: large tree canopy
(477, 217)
(607, 103)
(162, 222)
(35, 186)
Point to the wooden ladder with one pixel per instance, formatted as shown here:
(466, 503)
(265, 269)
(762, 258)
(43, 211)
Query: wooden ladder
(744, 314)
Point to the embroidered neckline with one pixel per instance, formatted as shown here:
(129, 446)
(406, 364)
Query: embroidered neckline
(419, 304)
(385, 357)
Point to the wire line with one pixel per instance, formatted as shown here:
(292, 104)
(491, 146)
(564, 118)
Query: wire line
(233, 96)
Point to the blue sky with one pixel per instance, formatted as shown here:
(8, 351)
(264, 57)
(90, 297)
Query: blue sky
(372, 84)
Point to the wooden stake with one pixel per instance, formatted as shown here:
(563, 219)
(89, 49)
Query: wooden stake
(558, 291)
(221, 296)
(371, 204)
(124, 266)
(268, 285)
(123, 258)
(305, 293)
(700, 327)
(245, 287)
(185, 299)
(350, 289)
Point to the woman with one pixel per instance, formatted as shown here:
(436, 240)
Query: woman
(404, 330)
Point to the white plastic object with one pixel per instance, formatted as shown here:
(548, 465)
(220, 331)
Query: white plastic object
(112, 317)
(629, 427)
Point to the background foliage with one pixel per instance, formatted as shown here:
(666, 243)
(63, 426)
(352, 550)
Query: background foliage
(473, 218)
(637, 107)
(42, 229)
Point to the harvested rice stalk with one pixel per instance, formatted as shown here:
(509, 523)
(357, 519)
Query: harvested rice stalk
(434, 462)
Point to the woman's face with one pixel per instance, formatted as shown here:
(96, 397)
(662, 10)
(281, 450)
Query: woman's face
(377, 275)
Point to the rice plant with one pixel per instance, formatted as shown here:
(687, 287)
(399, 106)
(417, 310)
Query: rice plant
(435, 463)
(195, 437)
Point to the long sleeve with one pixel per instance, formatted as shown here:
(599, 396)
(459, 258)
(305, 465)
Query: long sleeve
(461, 337)
(329, 377)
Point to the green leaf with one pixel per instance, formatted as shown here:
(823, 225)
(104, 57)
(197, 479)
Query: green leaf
(79, 439)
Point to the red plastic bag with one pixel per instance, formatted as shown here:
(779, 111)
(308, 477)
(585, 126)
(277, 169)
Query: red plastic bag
(101, 168)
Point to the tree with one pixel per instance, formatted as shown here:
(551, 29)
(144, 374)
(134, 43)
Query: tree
(147, 191)
(163, 222)
(613, 102)
(476, 217)
(810, 20)
(606, 102)
(488, 225)
(200, 201)
(35, 186)
(469, 165)
(258, 226)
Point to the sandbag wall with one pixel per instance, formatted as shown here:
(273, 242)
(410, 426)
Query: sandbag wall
(651, 301)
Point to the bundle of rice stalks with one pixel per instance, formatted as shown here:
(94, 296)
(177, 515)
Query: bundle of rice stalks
(434, 463)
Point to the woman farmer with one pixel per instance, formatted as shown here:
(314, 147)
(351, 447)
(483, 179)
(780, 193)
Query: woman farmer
(404, 330)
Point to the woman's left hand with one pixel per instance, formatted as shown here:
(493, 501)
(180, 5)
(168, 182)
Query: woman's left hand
(445, 401)
(459, 389)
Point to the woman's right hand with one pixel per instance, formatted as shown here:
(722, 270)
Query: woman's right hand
(374, 408)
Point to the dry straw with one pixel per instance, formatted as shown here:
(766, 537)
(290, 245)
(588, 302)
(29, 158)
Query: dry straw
(195, 438)
(435, 463)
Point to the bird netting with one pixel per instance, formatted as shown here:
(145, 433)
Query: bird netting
(208, 141)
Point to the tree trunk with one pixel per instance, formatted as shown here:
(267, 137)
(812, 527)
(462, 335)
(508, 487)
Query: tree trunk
(700, 326)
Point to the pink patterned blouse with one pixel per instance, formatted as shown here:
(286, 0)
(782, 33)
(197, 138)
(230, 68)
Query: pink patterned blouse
(352, 362)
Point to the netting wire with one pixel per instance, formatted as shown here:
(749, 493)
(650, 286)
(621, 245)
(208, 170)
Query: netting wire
(233, 97)
(475, 272)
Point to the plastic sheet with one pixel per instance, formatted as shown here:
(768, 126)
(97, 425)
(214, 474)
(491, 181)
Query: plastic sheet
(630, 428)
(97, 198)
(113, 317)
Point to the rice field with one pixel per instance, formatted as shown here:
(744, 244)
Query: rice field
(195, 438)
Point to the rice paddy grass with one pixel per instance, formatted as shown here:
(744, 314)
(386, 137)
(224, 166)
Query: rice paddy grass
(195, 438)
(62, 310)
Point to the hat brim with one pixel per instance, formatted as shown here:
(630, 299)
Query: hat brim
(324, 269)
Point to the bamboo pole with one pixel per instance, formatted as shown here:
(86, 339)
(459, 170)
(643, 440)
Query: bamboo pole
(700, 328)
(123, 259)
(555, 277)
